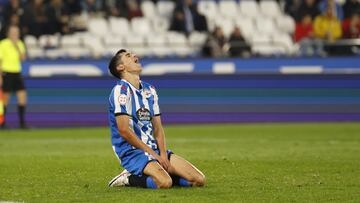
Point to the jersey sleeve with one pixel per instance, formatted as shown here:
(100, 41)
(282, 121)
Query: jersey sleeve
(1, 51)
(22, 47)
(156, 102)
(122, 101)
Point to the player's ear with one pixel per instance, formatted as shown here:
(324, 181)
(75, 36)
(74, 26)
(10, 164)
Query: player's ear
(120, 67)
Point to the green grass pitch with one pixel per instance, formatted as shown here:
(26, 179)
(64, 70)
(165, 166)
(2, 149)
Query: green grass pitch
(242, 163)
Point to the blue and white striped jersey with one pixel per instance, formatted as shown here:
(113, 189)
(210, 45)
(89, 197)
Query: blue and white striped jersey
(140, 105)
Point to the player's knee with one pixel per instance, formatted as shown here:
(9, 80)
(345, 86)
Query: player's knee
(165, 183)
(199, 180)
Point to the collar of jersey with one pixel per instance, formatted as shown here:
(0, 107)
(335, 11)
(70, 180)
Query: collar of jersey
(132, 87)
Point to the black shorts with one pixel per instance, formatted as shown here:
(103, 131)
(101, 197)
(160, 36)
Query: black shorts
(12, 82)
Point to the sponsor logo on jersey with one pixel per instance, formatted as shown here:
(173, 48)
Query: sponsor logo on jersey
(143, 114)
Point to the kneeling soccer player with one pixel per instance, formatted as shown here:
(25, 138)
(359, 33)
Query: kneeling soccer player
(137, 134)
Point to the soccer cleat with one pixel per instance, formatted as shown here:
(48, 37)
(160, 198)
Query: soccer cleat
(120, 180)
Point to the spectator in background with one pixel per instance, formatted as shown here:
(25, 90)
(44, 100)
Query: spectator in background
(59, 17)
(93, 7)
(327, 26)
(186, 18)
(350, 7)
(134, 9)
(304, 35)
(215, 45)
(238, 45)
(338, 11)
(116, 8)
(3, 3)
(351, 27)
(74, 6)
(178, 21)
(14, 7)
(14, 19)
(292, 8)
(309, 7)
(13, 13)
(304, 29)
(36, 20)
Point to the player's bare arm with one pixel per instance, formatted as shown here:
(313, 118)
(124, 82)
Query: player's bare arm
(123, 123)
(159, 135)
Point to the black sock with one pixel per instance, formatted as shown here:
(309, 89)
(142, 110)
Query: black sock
(179, 181)
(21, 112)
(138, 181)
(175, 179)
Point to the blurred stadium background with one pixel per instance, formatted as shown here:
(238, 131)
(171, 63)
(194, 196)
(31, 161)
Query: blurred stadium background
(213, 61)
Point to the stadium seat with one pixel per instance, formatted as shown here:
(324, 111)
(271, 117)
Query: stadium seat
(249, 8)
(265, 25)
(270, 8)
(46, 41)
(178, 42)
(70, 41)
(208, 9)
(285, 41)
(54, 53)
(98, 26)
(141, 26)
(94, 44)
(226, 24)
(114, 39)
(165, 9)
(148, 8)
(160, 25)
(77, 52)
(136, 43)
(246, 26)
(229, 8)
(31, 41)
(197, 40)
(158, 45)
(35, 52)
(119, 26)
(261, 44)
(286, 23)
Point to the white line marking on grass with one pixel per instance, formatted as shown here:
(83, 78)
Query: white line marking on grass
(2, 201)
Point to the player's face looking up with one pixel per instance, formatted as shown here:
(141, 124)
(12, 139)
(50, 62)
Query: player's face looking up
(130, 63)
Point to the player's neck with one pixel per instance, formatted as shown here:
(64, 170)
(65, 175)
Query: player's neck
(133, 79)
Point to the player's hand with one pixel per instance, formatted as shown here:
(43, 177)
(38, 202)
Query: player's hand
(163, 162)
(165, 157)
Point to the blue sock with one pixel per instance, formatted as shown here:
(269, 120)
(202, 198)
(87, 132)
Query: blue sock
(150, 183)
(184, 183)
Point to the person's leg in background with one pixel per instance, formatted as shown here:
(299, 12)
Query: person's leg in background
(6, 93)
(22, 101)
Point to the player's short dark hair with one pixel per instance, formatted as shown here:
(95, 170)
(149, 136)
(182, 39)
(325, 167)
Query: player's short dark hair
(114, 62)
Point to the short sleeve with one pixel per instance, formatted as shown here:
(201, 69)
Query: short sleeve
(1, 50)
(122, 101)
(156, 107)
(22, 47)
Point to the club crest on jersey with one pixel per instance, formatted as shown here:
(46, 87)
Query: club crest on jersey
(143, 114)
(147, 93)
(122, 99)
